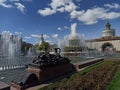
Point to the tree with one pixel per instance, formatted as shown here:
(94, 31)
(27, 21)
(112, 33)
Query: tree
(36, 46)
(44, 46)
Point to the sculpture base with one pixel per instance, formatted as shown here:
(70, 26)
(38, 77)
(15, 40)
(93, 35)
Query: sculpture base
(45, 74)
(4, 86)
(51, 72)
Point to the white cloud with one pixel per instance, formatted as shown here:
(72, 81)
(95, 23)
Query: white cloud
(111, 15)
(66, 27)
(59, 28)
(35, 35)
(27, 0)
(2, 3)
(55, 35)
(14, 0)
(70, 7)
(58, 6)
(46, 36)
(91, 16)
(58, 3)
(76, 14)
(20, 7)
(46, 12)
(20, 0)
(15, 4)
(113, 5)
(61, 9)
(38, 36)
(63, 28)
(27, 37)
(88, 16)
(49, 41)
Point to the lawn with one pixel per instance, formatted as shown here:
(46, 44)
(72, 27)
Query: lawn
(94, 77)
(115, 83)
(78, 59)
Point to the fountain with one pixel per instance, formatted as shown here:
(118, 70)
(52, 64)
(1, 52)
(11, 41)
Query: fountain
(32, 52)
(10, 44)
(73, 44)
(10, 50)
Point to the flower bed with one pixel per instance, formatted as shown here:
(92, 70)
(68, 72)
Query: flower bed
(94, 79)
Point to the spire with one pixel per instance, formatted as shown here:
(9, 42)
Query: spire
(42, 38)
(108, 25)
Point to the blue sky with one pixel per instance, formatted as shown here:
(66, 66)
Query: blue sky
(54, 18)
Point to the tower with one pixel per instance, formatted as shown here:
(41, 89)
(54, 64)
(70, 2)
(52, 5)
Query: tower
(108, 32)
(108, 26)
(42, 38)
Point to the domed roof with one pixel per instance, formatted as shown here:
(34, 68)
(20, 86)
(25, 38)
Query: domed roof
(108, 31)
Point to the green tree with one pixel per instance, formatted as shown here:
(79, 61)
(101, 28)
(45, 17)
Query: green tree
(44, 46)
(36, 46)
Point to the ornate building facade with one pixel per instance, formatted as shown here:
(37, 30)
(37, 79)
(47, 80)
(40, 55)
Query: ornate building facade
(108, 42)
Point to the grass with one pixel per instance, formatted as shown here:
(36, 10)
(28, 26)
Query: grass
(77, 59)
(84, 71)
(115, 83)
(94, 77)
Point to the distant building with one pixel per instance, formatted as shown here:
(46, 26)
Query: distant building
(43, 46)
(108, 42)
(42, 39)
(108, 32)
